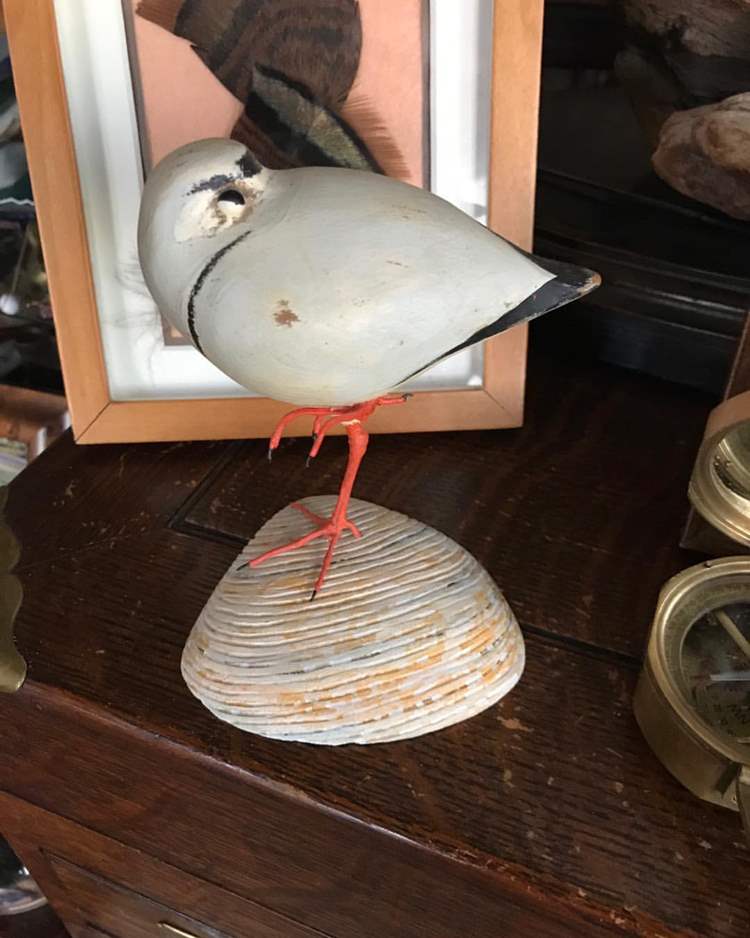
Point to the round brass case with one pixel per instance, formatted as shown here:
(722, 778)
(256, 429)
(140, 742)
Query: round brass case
(720, 484)
(711, 763)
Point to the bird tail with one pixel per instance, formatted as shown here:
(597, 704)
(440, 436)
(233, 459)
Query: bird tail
(569, 283)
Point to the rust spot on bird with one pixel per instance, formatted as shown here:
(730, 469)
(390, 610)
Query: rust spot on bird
(285, 315)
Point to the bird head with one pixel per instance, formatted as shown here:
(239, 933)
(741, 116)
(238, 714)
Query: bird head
(197, 199)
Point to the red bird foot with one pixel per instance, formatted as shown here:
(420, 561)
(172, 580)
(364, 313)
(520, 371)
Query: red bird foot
(352, 418)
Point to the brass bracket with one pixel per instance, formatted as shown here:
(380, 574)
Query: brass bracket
(12, 665)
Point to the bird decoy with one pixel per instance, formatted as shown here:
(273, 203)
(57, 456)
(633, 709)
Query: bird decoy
(328, 288)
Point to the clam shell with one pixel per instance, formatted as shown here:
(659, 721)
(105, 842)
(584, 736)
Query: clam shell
(408, 635)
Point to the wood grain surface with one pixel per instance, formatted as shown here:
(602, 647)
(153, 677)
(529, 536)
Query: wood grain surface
(148, 881)
(546, 815)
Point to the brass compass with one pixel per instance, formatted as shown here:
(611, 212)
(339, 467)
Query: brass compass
(693, 696)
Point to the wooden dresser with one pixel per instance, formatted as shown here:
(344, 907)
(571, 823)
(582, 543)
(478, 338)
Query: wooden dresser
(547, 816)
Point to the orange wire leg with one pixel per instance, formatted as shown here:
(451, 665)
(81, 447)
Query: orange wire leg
(352, 418)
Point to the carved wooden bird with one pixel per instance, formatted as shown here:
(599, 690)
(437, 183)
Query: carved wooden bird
(328, 287)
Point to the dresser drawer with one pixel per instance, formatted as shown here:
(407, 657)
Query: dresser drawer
(97, 884)
(123, 913)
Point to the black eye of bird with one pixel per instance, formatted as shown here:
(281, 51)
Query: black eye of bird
(232, 196)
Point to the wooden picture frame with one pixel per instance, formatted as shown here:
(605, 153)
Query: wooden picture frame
(96, 416)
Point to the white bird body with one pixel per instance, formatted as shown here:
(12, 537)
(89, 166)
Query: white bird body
(324, 286)
(327, 288)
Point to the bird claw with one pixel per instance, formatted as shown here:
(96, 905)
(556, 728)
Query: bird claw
(352, 417)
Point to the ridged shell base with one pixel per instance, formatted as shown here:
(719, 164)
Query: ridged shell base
(408, 635)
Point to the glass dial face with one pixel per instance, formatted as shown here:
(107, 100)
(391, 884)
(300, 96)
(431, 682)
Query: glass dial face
(715, 660)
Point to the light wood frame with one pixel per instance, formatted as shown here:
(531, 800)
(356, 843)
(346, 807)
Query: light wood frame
(95, 416)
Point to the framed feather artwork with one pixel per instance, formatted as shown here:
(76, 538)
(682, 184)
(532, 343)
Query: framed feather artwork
(439, 94)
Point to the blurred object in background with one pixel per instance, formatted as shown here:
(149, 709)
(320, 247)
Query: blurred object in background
(18, 891)
(28, 349)
(675, 275)
(14, 457)
(24, 912)
(15, 187)
(678, 54)
(24, 289)
(29, 421)
(686, 67)
(32, 409)
(704, 152)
